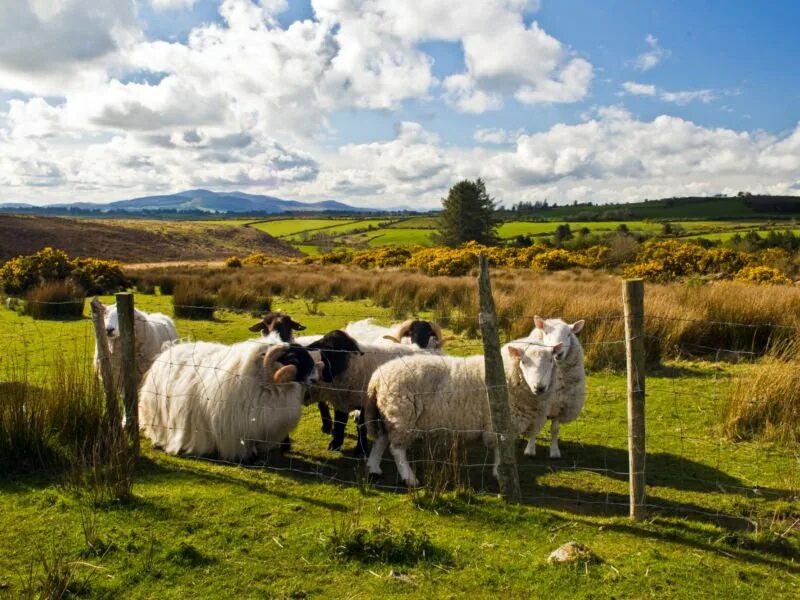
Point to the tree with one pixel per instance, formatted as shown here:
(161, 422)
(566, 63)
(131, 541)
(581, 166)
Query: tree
(468, 215)
(562, 233)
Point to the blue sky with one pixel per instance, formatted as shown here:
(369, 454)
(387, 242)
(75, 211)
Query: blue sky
(379, 103)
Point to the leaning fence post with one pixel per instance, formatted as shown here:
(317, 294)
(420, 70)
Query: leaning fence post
(129, 373)
(98, 318)
(496, 388)
(633, 299)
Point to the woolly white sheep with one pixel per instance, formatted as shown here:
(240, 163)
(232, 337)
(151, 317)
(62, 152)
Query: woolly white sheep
(414, 395)
(569, 391)
(151, 331)
(425, 335)
(348, 368)
(202, 398)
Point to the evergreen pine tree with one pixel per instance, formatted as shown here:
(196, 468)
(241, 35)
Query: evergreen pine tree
(468, 215)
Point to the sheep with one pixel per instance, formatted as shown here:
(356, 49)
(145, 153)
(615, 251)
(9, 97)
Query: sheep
(203, 398)
(426, 335)
(348, 368)
(569, 392)
(277, 327)
(419, 394)
(151, 332)
(12, 303)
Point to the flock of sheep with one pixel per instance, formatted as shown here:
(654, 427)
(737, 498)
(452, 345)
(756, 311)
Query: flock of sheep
(235, 401)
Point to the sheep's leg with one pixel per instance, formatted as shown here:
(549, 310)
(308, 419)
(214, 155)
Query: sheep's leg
(403, 468)
(496, 467)
(554, 451)
(286, 445)
(361, 428)
(538, 423)
(325, 414)
(375, 455)
(339, 424)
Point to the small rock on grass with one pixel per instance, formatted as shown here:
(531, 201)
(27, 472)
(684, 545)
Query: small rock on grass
(572, 552)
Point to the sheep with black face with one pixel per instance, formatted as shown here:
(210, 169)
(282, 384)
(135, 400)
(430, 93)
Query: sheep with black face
(204, 398)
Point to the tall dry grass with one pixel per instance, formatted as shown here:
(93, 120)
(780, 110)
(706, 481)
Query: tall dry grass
(723, 320)
(765, 401)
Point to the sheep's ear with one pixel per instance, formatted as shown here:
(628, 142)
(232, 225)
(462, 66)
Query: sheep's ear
(538, 322)
(577, 326)
(260, 326)
(391, 338)
(515, 352)
(320, 365)
(285, 374)
(438, 331)
(558, 347)
(296, 326)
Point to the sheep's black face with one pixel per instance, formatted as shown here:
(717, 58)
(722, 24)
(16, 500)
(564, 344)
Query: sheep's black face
(281, 323)
(299, 357)
(421, 332)
(336, 348)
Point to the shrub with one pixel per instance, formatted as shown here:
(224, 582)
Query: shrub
(22, 273)
(233, 262)
(556, 260)
(239, 298)
(258, 259)
(761, 275)
(98, 276)
(190, 301)
(54, 300)
(443, 261)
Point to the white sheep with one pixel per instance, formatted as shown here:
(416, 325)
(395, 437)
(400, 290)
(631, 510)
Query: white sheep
(414, 395)
(426, 335)
(204, 398)
(569, 391)
(348, 368)
(151, 331)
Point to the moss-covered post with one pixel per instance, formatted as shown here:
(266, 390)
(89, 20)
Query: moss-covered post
(496, 388)
(633, 300)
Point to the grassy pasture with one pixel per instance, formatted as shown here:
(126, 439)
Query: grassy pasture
(288, 227)
(208, 529)
(401, 237)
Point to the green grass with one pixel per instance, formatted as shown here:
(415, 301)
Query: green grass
(416, 223)
(211, 530)
(401, 237)
(288, 227)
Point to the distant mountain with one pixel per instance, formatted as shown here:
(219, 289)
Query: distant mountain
(207, 201)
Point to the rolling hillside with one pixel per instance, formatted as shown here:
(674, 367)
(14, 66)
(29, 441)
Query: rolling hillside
(134, 241)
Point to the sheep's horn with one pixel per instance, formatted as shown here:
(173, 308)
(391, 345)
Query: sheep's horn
(391, 338)
(285, 374)
(402, 329)
(438, 331)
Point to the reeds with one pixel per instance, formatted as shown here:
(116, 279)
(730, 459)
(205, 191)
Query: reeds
(55, 300)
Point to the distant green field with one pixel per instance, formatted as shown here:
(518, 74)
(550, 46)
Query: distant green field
(723, 236)
(287, 227)
(343, 228)
(515, 228)
(416, 223)
(402, 237)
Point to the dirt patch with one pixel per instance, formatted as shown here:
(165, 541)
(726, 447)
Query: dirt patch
(135, 241)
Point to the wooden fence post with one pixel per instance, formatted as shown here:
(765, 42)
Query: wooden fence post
(129, 375)
(496, 388)
(98, 319)
(633, 300)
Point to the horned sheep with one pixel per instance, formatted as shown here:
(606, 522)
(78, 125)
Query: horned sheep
(205, 398)
(425, 335)
(413, 395)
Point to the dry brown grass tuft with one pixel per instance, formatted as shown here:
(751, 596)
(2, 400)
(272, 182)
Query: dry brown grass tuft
(765, 402)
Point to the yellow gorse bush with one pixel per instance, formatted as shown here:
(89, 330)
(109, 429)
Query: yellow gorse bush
(762, 275)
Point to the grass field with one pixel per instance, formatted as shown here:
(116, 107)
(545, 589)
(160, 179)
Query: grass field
(206, 529)
(288, 227)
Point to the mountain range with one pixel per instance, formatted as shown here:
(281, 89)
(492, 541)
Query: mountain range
(203, 200)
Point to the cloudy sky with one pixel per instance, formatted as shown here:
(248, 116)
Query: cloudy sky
(387, 102)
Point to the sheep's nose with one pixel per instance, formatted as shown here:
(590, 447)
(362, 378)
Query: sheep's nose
(541, 389)
(109, 331)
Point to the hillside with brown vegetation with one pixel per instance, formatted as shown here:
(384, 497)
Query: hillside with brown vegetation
(134, 240)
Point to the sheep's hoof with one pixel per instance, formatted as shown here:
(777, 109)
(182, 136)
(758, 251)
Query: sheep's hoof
(327, 428)
(530, 452)
(555, 453)
(411, 483)
(374, 477)
(335, 445)
(286, 445)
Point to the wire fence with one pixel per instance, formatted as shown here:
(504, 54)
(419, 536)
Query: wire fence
(693, 470)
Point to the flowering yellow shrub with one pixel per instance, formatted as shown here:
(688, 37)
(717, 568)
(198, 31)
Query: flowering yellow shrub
(762, 275)
(557, 259)
(233, 262)
(94, 275)
(257, 259)
(443, 261)
(387, 256)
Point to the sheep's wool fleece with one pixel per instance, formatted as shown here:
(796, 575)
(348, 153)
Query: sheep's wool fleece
(200, 398)
(348, 390)
(425, 393)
